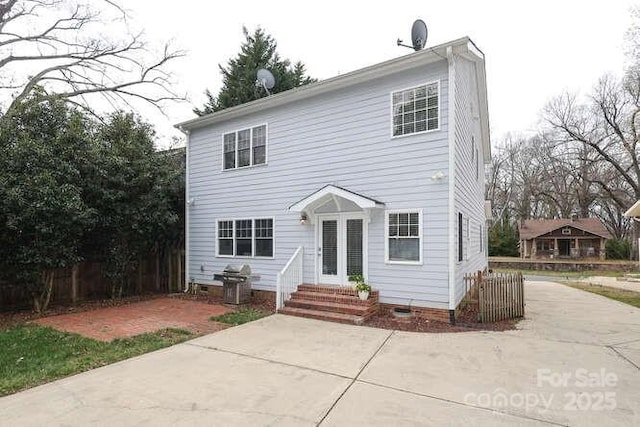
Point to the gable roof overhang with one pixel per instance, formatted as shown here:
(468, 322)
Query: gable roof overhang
(633, 211)
(333, 193)
(462, 46)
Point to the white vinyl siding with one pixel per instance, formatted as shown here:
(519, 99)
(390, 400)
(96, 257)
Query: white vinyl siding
(340, 137)
(246, 238)
(243, 148)
(416, 110)
(403, 236)
(469, 174)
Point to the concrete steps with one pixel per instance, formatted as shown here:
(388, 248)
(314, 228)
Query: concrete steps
(332, 303)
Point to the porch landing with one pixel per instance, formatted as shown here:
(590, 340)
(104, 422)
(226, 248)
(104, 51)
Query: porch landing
(332, 303)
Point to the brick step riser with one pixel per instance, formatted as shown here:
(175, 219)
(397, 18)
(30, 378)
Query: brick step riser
(325, 318)
(334, 290)
(315, 305)
(340, 299)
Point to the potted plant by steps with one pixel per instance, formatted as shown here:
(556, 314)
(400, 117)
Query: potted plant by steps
(362, 288)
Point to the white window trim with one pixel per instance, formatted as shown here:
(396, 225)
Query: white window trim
(420, 236)
(266, 148)
(437, 82)
(253, 237)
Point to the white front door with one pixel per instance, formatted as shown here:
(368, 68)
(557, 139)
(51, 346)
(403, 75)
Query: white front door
(341, 247)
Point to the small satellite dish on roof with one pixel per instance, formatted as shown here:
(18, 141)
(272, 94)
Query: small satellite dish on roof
(265, 80)
(419, 35)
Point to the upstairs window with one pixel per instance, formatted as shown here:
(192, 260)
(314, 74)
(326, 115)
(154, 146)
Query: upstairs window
(243, 148)
(416, 110)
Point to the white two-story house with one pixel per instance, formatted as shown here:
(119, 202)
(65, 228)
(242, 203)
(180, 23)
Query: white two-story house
(379, 171)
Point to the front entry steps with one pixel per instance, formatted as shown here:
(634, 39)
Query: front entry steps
(332, 303)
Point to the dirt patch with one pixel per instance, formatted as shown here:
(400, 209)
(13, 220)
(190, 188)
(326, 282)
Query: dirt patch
(465, 323)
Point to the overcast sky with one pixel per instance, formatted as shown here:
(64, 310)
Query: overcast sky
(534, 50)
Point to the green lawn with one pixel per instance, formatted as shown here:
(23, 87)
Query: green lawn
(622, 295)
(574, 274)
(32, 355)
(239, 317)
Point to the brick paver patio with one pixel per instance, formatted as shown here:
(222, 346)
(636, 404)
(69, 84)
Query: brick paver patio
(106, 324)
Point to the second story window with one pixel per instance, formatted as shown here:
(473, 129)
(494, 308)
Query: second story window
(416, 109)
(246, 147)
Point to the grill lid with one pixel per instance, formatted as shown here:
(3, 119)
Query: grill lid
(235, 270)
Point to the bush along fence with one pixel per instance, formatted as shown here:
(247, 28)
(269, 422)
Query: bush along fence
(495, 296)
(86, 281)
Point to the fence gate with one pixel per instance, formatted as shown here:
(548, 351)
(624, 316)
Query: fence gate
(500, 296)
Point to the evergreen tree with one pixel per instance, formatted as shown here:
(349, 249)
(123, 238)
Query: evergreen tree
(503, 238)
(239, 76)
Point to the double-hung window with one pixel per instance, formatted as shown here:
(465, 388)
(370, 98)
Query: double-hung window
(416, 109)
(245, 237)
(245, 147)
(403, 240)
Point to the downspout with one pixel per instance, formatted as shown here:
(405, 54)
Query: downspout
(452, 184)
(187, 207)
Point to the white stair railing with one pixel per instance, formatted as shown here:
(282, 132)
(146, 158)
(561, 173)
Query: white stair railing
(289, 278)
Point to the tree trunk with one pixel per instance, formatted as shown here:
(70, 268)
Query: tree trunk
(41, 300)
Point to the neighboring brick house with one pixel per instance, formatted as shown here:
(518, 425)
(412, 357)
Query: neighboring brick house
(563, 238)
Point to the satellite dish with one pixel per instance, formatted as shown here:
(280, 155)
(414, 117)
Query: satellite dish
(418, 35)
(265, 79)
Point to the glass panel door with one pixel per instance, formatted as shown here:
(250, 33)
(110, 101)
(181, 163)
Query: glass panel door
(354, 247)
(329, 250)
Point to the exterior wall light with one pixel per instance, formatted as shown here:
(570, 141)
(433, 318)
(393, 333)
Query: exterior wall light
(438, 176)
(303, 219)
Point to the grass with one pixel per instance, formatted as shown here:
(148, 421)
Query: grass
(576, 274)
(33, 355)
(239, 317)
(622, 295)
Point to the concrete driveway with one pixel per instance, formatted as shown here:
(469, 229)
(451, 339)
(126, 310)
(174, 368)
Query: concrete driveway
(574, 361)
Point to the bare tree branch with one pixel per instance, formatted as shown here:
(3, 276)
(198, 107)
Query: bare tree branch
(73, 61)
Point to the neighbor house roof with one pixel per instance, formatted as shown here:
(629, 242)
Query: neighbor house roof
(462, 46)
(532, 228)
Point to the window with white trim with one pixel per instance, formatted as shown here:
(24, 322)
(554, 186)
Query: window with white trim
(245, 237)
(403, 236)
(416, 109)
(243, 148)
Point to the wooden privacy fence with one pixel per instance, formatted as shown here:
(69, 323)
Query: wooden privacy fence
(86, 281)
(496, 296)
